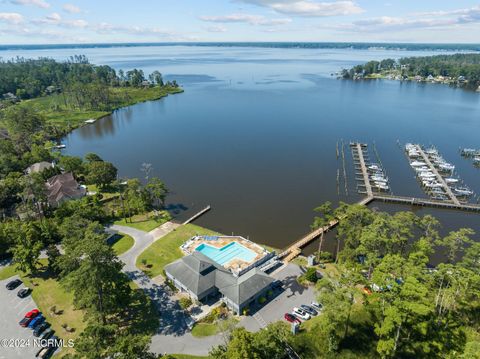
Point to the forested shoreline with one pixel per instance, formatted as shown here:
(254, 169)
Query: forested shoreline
(461, 70)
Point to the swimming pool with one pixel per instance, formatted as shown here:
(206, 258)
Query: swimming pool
(225, 254)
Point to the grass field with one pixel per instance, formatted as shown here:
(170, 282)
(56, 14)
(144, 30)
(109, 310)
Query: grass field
(7, 272)
(55, 112)
(123, 244)
(204, 329)
(166, 249)
(146, 221)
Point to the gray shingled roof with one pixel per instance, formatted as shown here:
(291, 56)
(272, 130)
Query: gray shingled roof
(247, 286)
(199, 273)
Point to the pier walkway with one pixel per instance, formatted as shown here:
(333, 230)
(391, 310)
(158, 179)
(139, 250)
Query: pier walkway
(198, 214)
(440, 179)
(454, 204)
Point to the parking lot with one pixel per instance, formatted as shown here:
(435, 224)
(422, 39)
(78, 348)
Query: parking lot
(293, 295)
(13, 309)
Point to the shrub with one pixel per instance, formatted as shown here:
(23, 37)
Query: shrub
(324, 256)
(262, 300)
(311, 275)
(185, 302)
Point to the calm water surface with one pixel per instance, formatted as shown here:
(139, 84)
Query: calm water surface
(254, 134)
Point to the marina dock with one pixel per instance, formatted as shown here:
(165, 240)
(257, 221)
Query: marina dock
(358, 155)
(440, 179)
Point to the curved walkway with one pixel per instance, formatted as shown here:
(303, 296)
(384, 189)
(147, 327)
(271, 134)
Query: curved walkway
(173, 335)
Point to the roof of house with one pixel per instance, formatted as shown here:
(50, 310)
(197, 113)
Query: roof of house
(247, 286)
(199, 273)
(63, 187)
(39, 167)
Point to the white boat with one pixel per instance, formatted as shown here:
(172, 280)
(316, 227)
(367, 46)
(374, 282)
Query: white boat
(476, 159)
(379, 179)
(59, 147)
(463, 191)
(418, 164)
(451, 180)
(427, 175)
(446, 167)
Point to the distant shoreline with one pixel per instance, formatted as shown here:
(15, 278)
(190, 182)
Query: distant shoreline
(291, 45)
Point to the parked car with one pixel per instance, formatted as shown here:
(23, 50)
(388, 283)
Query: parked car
(47, 352)
(291, 318)
(28, 317)
(300, 313)
(39, 319)
(22, 293)
(47, 333)
(317, 306)
(39, 330)
(309, 309)
(13, 284)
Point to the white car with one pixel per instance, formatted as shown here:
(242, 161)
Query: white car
(317, 306)
(301, 314)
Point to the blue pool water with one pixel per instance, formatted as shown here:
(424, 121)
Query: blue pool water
(225, 254)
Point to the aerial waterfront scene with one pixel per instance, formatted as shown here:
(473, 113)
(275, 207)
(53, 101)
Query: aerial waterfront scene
(276, 179)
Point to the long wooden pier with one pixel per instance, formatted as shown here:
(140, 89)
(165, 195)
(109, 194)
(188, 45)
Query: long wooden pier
(296, 248)
(198, 214)
(440, 179)
(363, 167)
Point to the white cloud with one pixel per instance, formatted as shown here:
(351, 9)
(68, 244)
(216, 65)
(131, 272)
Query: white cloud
(246, 18)
(216, 28)
(40, 3)
(56, 19)
(438, 19)
(309, 8)
(11, 17)
(72, 9)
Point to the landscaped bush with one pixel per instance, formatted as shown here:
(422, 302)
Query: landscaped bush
(323, 256)
(262, 300)
(185, 302)
(310, 275)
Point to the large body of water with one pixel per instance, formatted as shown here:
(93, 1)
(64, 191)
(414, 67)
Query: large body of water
(255, 132)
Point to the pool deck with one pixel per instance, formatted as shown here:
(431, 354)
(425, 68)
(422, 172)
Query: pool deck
(218, 242)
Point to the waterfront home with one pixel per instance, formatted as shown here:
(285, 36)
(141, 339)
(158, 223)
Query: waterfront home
(225, 268)
(203, 280)
(63, 188)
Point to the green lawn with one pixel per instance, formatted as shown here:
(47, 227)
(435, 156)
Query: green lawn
(55, 112)
(7, 272)
(204, 329)
(166, 249)
(145, 222)
(123, 244)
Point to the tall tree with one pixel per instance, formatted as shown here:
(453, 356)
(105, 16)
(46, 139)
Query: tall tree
(327, 216)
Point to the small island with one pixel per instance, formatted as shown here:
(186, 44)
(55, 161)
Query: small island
(459, 70)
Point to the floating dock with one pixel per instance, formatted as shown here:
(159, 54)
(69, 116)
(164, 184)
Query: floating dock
(440, 179)
(454, 204)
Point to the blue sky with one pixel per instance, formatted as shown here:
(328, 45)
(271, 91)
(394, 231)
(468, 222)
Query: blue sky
(86, 21)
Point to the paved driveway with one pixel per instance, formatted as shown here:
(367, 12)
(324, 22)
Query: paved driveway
(293, 295)
(173, 334)
(13, 310)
